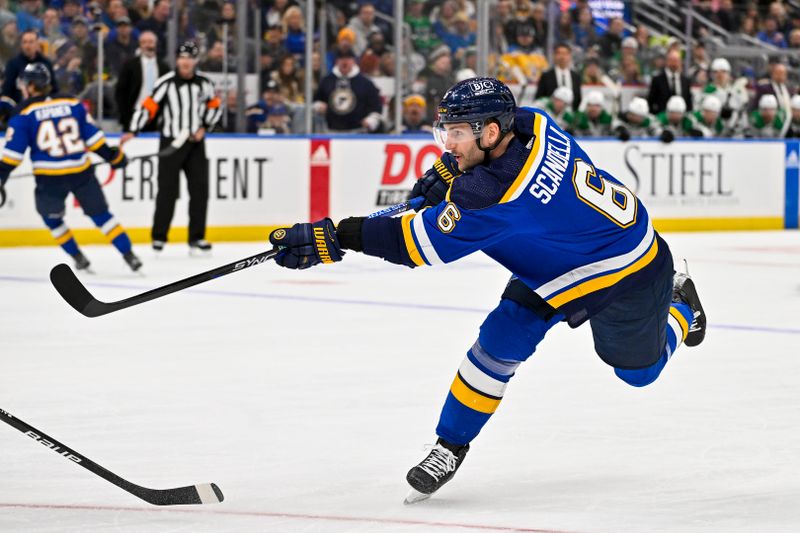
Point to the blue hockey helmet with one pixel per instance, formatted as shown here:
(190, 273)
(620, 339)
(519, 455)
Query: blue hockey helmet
(476, 101)
(36, 74)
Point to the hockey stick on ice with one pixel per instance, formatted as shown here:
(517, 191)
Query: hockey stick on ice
(73, 291)
(173, 147)
(193, 494)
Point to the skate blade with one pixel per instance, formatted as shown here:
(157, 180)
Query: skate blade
(415, 496)
(194, 252)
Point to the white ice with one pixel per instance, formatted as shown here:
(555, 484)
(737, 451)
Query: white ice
(306, 396)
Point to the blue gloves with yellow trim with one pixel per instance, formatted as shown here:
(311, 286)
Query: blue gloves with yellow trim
(435, 183)
(308, 244)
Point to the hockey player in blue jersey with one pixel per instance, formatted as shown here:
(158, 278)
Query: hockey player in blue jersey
(580, 247)
(60, 133)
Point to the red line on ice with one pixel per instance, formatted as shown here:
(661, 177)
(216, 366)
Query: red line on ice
(297, 516)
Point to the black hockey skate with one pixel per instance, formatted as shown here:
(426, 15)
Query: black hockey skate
(199, 246)
(684, 291)
(134, 262)
(81, 263)
(435, 470)
(158, 246)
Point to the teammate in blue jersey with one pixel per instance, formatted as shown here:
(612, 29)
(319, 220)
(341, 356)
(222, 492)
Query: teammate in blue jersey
(579, 245)
(60, 133)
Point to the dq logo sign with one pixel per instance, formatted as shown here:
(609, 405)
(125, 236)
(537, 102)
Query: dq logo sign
(399, 159)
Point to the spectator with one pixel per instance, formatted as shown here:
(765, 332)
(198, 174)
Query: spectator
(583, 30)
(362, 25)
(559, 106)
(636, 121)
(444, 16)
(388, 64)
(5, 14)
(186, 30)
(79, 34)
(793, 131)
(611, 41)
(627, 54)
(733, 96)
(674, 122)
(52, 35)
(157, 23)
(137, 77)
(274, 14)
(278, 121)
(294, 31)
(728, 16)
(123, 47)
(272, 50)
(594, 121)
(115, 10)
(524, 63)
(257, 114)
(698, 71)
(349, 101)
(290, 80)
(670, 82)
(71, 10)
(469, 66)
(138, 12)
(593, 74)
(771, 33)
(438, 77)
(767, 121)
(423, 37)
(215, 58)
(227, 18)
(707, 123)
(777, 11)
(776, 85)
(67, 68)
(522, 16)
(28, 15)
(500, 16)
(564, 32)
(629, 72)
(414, 115)
(9, 41)
(30, 52)
(539, 20)
(561, 75)
(376, 43)
(460, 37)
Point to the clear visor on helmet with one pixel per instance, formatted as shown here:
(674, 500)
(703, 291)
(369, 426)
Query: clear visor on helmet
(445, 134)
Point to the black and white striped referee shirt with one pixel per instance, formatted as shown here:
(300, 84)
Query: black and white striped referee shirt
(181, 104)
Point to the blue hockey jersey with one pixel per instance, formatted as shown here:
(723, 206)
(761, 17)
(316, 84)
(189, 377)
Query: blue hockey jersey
(570, 231)
(59, 133)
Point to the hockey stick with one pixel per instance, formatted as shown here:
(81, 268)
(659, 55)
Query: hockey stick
(75, 293)
(173, 147)
(193, 494)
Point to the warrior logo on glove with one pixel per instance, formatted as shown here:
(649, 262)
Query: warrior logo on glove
(305, 245)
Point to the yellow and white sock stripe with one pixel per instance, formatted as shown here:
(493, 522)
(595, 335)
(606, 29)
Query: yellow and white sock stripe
(61, 234)
(477, 390)
(679, 326)
(112, 229)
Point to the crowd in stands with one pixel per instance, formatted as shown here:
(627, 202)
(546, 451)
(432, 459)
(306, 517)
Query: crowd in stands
(605, 78)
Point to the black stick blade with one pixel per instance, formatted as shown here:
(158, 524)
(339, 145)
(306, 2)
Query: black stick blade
(200, 494)
(72, 290)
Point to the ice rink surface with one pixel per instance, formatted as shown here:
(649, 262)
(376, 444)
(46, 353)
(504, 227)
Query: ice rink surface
(307, 396)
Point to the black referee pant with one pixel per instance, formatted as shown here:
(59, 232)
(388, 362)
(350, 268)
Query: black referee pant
(191, 158)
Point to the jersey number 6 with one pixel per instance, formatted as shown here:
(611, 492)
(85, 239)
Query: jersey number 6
(65, 141)
(611, 199)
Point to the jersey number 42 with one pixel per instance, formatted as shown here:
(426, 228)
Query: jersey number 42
(61, 140)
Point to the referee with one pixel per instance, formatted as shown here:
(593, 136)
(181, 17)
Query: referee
(182, 102)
